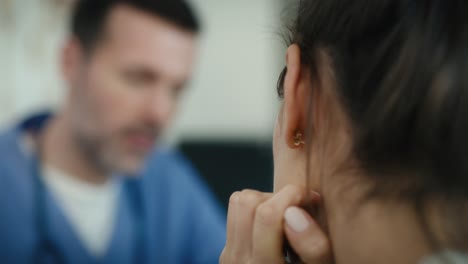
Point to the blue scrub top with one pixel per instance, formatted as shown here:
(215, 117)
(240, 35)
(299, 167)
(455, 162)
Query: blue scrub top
(182, 223)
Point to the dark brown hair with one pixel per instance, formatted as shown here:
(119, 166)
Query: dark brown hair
(401, 69)
(89, 16)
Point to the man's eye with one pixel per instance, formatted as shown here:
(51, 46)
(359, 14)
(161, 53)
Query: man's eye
(138, 78)
(177, 90)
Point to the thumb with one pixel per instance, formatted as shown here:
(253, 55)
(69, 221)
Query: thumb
(306, 237)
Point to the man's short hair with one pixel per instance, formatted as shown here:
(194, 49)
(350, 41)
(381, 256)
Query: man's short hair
(89, 16)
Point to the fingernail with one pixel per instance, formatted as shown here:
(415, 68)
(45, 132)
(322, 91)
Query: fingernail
(296, 220)
(234, 197)
(315, 196)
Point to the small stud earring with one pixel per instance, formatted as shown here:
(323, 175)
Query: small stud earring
(298, 141)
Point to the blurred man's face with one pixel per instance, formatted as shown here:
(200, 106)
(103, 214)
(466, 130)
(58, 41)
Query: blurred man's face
(127, 90)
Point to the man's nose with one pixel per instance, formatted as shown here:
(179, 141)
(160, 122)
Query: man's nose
(159, 106)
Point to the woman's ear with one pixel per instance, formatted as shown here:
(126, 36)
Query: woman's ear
(297, 93)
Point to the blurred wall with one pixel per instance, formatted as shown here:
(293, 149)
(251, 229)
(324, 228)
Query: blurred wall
(231, 97)
(31, 32)
(233, 93)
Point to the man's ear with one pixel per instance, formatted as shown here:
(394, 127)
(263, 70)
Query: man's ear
(297, 92)
(72, 58)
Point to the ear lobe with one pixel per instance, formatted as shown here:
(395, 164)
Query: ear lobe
(296, 96)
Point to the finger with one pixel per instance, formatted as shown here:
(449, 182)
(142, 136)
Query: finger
(231, 219)
(268, 226)
(306, 237)
(222, 257)
(247, 203)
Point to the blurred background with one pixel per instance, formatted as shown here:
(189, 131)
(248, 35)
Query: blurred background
(227, 115)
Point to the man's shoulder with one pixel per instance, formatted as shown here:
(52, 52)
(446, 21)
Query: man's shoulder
(168, 168)
(170, 161)
(8, 144)
(14, 167)
(166, 154)
(7, 134)
(13, 140)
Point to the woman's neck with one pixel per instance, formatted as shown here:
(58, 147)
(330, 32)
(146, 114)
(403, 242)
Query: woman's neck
(373, 231)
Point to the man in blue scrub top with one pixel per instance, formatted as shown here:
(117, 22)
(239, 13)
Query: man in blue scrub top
(86, 184)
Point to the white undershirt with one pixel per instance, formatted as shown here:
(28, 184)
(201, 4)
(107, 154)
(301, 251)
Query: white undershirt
(90, 209)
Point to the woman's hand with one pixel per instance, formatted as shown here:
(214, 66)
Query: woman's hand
(259, 222)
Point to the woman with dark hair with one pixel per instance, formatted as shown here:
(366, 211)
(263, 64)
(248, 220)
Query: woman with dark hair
(375, 119)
